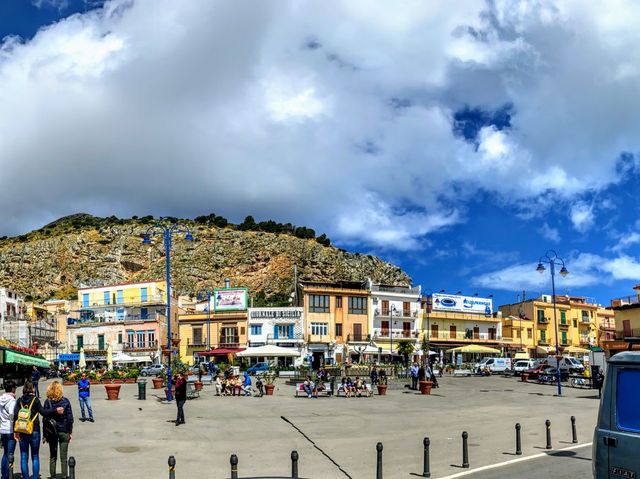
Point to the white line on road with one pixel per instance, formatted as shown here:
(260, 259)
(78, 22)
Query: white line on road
(514, 461)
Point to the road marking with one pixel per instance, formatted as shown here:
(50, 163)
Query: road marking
(514, 461)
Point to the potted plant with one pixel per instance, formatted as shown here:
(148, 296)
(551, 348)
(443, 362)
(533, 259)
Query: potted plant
(424, 385)
(160, 381)
(132, 375)
(382, 385)
(70, 379)
(269, 380)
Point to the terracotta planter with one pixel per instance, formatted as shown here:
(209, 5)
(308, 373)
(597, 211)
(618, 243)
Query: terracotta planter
(94, 381)
(525, 376)
(198, 385)
(157, 383)
(425, 387)
(173, 392)
(268, 389)
(382, 389)
(68, 383)
(113, 391)
(130, 380)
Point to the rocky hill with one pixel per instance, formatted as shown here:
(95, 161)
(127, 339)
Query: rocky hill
(83, 250)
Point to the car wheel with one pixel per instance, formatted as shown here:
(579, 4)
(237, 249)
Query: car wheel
(143, 373)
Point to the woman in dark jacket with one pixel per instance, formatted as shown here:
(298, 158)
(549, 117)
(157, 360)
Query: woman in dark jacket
(31, 441)
(64, 428)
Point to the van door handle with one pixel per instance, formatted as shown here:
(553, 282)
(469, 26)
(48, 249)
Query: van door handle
(610, 441)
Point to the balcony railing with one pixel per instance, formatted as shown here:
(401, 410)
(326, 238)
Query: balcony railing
(564, 324)
(607, 327)
(543, 320)
(585, 340)
(196, 341)
(464, 336)
(543, 342)
(585, 320)
(229, 342)
(358, 338)
(396, 289)
(148, 345)
(296, 337)
(399, 314)
(625, 300)
(632, 333)
(384, 333)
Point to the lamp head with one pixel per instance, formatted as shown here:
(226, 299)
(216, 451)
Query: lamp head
(540, 269)
(564, 272)
(146, 239)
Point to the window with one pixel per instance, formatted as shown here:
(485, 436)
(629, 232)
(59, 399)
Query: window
(543, 336)
(255, 329)
(585, 316)
(563, 317)
(197, 335)
(406, 308)
(242, 330)
(385, 307)
(130, 336)
(541, 315)
(101, 342)
(140, 339)
(627, 411)
(143, 295)
(80, 341)
(319, 329)
(384, 328)
(144, 313)
(357, 305)
(283, 330)
(318, 303)
(575, 323)
(338, 329)
(107, 297)
(85, 300)
(119, 338)
(529, 333)
(338, 301)
(151, 337)
(519, 334)
(119, 296)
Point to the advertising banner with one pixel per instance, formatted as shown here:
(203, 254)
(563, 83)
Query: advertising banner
(462, 304)
(231, 299)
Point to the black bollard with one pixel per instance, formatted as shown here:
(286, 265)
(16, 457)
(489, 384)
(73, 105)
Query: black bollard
(294, 464)
(379, 461)
(518, 440)
(234, 466)
(548, 424)
(573, 430)
(425, 465)
(172, 467)
(142, 390)
(465, 450)
(72, 467)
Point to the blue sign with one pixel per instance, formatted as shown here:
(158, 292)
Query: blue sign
(69, 357)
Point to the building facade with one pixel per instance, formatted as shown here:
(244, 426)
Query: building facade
(627, 321)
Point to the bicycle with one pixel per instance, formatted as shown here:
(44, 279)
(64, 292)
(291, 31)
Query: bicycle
(579, 383)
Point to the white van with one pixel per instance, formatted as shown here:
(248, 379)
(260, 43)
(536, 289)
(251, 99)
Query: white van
(495, 365)
(566, 363)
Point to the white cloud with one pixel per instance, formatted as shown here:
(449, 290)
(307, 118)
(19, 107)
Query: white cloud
(627, 240)
(547, 232)
(182, 108)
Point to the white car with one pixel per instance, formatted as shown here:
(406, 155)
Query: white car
(522, 365)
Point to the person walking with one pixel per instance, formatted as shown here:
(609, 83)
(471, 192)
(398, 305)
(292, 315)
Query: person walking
(374, 375)
(181, 397)
(35, 378)
(7, 406)
(414, 376)
(26, 428)
(84, 397)
(246, 384)
(60, 436)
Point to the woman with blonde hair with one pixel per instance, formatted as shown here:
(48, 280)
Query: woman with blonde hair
(60, 434)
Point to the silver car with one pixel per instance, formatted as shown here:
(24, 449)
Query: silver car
(152, 370)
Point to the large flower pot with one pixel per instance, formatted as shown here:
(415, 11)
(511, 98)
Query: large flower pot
(68, 383)
(198, 385)
(268, 389)
(130, 380)
(525, 376)
(382, 389)
(425, 387)
(157, 383)
(113, 391)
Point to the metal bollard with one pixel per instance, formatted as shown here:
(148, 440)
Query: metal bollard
(548, 424)
(172, 467)
(234, 466)
(379, 461)
(294, 464)
(425, 464)
(573, 430)
(142, 390)
(465, 450)
(518, 440)
(72, 467)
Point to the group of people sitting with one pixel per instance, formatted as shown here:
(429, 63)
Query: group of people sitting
(230, 385)
(357, 387)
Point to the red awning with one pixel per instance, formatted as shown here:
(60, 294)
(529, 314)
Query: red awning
(220, 351)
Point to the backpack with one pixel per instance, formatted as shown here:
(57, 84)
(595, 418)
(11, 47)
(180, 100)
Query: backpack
(49, 426)
(24, 423)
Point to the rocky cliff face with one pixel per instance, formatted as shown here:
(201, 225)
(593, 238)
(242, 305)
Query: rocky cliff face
(55, 261)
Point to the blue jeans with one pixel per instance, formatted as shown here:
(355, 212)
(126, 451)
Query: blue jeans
(30, 441)
(9, 447)
(86, 401)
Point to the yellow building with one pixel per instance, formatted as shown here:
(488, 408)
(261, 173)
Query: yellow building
(336, 315)
(627, 321)
(531, 323)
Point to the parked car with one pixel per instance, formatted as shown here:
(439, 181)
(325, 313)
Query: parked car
(258, 368)
(572, 365)
(616, 439)
(522, 365)
(495, 365)
(534, 373)
(553, 372)
(152, 370)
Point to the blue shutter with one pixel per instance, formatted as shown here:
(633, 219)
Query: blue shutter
(85, 300)
(275, 332)
(290, 331)
(143, 295)
(106, 297)
(144, 313)
(119, 297)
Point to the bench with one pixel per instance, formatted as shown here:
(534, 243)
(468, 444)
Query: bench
(191, 391)
(368, 392)
(301, 392)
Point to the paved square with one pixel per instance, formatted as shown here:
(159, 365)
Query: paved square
(132, 438)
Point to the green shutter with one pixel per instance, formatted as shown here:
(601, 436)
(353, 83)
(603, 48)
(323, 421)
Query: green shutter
(563, 317)
(543, 335)
(564, 337)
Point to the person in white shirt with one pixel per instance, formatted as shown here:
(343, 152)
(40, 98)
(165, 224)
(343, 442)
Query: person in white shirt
(7, 406)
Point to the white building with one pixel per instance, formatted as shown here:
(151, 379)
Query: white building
(282, 327)
(11, 305)
(395, 315)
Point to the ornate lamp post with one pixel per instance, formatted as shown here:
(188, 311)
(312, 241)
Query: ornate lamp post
(167, 232)
(553, 260)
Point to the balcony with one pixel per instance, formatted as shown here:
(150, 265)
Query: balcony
(229, 342)
(384, 334)
(319, 338)
(196, 342)
(396, 289)
(543, 320)
(543, 342)
(358, 338)
(295, 338)
(564, 325)
(631, 333)
(607, 327)
(585, 340)
(625, 301)
(397, 314)
(463, 336)
(585, 320)
(141, 346)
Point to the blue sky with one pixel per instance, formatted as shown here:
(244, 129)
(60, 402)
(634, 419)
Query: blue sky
(460, 144)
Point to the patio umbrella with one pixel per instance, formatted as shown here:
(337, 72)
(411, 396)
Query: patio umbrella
(474, 349)
(109, 358)
(269, 351)
(82, 363)
(575, 350)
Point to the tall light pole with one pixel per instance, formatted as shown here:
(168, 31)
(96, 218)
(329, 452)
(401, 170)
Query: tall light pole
(167, 231)
(552, 259)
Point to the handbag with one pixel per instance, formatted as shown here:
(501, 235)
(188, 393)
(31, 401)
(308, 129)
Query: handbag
(49, 426)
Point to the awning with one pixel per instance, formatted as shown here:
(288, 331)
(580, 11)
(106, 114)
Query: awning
(269, 351)
(474, 349)
(220, 352)
(545, 349)
(369, 349)
(26, 359)
(575, 350)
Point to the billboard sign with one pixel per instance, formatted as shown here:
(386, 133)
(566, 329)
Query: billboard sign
(462, 304)
(230, 299)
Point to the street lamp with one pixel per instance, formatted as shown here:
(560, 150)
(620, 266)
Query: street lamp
(167, 232)
(552, 259)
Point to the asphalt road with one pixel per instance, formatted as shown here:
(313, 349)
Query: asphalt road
(554, 465)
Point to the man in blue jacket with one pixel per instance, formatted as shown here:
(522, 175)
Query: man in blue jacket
(35, 377)
(84, 392)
